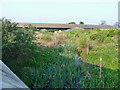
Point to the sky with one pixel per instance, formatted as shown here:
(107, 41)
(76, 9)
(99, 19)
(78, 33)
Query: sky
(60, 11)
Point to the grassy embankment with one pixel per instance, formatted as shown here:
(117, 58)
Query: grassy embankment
(93, 45)
(45, 63)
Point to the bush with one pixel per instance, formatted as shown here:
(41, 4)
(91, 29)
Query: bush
(111, 33)
(109, 40)
(76, 35)
(93, 37)
(43, 30)
(30, 27)
(71, 23)
(82, 41)
(81, 23)
(16, 43)
(100, 36)
(46, 37)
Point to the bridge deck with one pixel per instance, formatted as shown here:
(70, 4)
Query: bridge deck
(64, 26)
(9, 80)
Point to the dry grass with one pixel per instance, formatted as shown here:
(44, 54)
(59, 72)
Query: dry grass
(49, 39)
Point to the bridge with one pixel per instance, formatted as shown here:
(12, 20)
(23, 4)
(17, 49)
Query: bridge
(64, 26)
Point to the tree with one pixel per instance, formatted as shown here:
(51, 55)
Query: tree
(71, 23)
(103, 22)
(81, 22)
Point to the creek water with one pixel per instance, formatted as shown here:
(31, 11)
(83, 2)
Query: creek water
(77, 65)
(78, 62)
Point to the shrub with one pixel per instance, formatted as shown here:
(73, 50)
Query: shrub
(100, 36)
(82, 41)
(43, 30)
(76, 35)
(46, 37)
(30, 27)
(109, 40)
(81, 23)
(111, 33)
(93, 37)
(16, 43)
(71, 23)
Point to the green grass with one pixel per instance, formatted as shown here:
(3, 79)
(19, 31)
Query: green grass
(35, 71)
(102, 45)
(107, 49)
(55, 66)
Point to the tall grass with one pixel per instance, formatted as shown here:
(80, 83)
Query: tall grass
(101, 44)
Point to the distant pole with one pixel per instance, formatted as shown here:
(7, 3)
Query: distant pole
(100, 66)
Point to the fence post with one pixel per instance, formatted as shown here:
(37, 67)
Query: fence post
(100, 66)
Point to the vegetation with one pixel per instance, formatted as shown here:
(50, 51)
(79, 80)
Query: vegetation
(16, 43)
(81, 22)
(71, 23)
(39, 59)
(102, 44)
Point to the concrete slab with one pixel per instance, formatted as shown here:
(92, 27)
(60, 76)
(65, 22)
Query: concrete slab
(9, 79)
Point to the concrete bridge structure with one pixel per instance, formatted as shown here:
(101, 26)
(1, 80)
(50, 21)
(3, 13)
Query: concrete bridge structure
(8, 80)
(64, 26)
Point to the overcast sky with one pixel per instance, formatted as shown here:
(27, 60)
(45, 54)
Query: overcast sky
(60, 11)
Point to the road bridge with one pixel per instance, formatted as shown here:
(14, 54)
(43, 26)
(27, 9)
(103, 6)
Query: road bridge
(64, 26)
